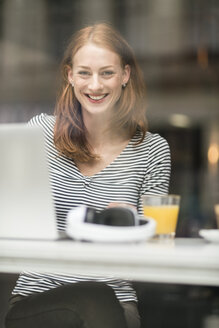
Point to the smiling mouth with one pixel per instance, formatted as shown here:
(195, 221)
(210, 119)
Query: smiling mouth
(97, 97)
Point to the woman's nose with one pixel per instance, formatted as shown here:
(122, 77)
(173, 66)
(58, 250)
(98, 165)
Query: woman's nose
(95, 83)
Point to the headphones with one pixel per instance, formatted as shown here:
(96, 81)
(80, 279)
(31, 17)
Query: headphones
(115, 224)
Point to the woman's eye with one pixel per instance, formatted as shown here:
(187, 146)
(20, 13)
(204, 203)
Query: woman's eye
(84, 73)
(107, 73)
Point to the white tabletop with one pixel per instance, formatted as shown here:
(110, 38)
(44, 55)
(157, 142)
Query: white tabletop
(185, 261)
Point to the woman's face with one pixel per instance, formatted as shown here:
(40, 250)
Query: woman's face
(98, 77)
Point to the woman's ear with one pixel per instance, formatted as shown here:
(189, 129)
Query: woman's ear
(70, 76)
(126, 74)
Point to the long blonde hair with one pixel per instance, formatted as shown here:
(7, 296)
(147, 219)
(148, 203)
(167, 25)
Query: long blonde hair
(70, 132)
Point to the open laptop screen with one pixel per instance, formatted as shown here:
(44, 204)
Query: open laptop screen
(26, 206)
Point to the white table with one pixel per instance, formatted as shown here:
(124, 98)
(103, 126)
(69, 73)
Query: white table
(185, 261)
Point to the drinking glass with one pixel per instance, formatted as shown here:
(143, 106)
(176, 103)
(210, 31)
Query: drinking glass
(164, 209)
(216, 208)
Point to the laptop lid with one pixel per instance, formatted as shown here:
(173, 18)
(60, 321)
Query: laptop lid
(26, 205)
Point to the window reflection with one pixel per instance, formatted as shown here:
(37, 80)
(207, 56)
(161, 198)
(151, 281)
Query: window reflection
(177, 45)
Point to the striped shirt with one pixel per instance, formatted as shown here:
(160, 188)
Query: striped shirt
(139, 169)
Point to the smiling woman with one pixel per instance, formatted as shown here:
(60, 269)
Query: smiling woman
(99, 155)
(106, 80)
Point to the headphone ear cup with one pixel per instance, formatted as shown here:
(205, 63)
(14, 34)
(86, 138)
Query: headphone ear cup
(117, 216)
(91, 215)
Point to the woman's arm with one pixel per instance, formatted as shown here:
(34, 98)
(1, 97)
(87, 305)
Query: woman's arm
(157, 175)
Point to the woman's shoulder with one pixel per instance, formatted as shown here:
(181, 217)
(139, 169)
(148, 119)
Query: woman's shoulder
(152, 139)
(43, 120)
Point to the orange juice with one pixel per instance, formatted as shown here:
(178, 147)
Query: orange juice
(216, 208)
(165, 216)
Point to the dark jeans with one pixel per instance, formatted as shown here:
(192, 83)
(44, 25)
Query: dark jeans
(80, 305)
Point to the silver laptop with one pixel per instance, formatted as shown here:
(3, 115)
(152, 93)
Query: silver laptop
(26, 205)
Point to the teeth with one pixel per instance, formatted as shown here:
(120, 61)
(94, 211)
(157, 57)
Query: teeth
(96, 97)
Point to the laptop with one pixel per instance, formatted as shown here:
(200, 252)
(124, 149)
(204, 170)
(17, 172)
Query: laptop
(26, 204)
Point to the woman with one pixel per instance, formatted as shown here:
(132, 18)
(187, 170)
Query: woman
(99, 154)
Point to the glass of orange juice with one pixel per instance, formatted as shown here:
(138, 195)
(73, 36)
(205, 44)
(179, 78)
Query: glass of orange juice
(216, 209)
(164, 210)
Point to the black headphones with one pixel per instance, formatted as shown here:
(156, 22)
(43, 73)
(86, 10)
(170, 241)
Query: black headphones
(112, 216)
(112, 225)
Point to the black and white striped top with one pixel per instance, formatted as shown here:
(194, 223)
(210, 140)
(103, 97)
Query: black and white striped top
(139, 169)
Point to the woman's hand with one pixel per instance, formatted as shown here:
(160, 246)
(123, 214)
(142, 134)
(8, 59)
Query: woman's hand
(118, 204)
